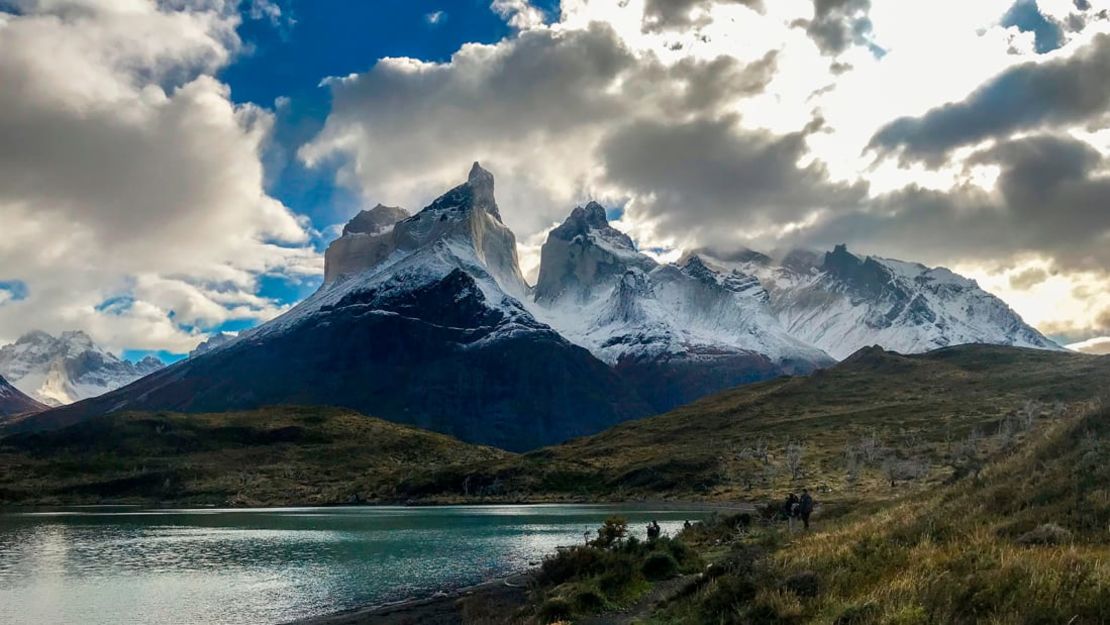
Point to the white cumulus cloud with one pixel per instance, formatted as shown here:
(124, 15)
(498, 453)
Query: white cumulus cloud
(131, 187)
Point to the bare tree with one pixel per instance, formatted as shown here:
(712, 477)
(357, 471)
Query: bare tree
(760, 451)
(870, 449)
(966, 455)
(1008, 431)
(1029, 412)
(770, 472)
(906, 469)
(795, 452)
(853, 466)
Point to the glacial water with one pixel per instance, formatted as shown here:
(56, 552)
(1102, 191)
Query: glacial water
(122, 566)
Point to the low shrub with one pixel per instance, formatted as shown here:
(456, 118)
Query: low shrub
(619, 574)
(803, 584)
(613, 531)
(726, 597)
(554, 610)
(587, 600)
(1046, 534)
(861, 614)
(570, 563)
(659, 566)
(775, 606)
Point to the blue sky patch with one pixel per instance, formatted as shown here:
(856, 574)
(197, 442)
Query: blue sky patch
(135, 355)
(1025, 15)
(283, 65)
(13, 290)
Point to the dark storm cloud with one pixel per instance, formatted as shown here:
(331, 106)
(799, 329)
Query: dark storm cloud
(1028, 279)
(533, 107)
(693, 86)
(675, 14)
(1052, 197)
(1026, 97)
(709, 178)
(837, 24)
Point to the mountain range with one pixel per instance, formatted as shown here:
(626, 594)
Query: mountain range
(427, 320)
(68, 368)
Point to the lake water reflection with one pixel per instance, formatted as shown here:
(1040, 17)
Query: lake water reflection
(117, 566)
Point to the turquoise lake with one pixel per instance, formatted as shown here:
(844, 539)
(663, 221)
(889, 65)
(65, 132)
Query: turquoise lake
(101, 566)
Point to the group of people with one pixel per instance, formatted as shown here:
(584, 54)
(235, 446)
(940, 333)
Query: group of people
(653, 530)
(796, 507)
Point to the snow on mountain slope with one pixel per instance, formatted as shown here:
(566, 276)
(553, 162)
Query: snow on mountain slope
(460, 230)
(841, 302)
(600, 292)
(68, 368)
(679, 331)
(14, 402)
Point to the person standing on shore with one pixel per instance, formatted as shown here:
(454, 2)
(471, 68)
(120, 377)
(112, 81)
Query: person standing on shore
(805, 507)
(790, 510)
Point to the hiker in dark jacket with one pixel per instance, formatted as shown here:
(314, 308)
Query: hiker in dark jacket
(789, 506)
(805, 507)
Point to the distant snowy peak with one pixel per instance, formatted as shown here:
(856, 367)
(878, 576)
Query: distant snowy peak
(68, 368)
(591, 221)
(842, 302)
(213, 343)
(735, 281)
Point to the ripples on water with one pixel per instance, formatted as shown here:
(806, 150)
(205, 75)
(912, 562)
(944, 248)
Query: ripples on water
(225, 567)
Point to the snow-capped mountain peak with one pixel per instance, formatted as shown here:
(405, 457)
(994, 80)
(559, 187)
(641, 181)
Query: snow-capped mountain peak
(841, 302)
(661, 324)
(467, 216)
(212, 343)
(67, 368)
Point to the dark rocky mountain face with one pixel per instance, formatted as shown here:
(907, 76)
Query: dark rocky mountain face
(430, 340)
(13, 402)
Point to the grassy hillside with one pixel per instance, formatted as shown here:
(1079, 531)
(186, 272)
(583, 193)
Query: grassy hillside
(1027, 541)
(1024, 540)
(845, 431)
(264, 457)
(872, 427)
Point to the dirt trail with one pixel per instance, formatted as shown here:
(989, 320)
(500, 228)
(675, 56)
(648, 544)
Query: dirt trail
(644, 607)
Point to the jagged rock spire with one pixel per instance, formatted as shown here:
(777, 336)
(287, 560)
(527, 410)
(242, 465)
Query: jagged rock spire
(480, 182)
